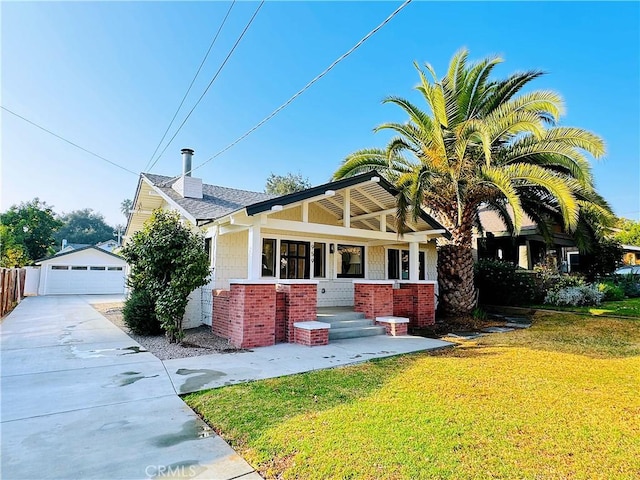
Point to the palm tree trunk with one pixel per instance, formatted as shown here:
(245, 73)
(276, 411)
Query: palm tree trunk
(457, 293)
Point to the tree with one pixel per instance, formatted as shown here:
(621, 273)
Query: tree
(284, 184)
(483, 144)
(84, 226)
(629, 233)
(603, 259)
(168, 261)
(30, 228)
(12, 254)
(125, 207)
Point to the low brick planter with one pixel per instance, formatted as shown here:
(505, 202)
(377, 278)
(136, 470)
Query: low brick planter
(395, 326)
(311, 333)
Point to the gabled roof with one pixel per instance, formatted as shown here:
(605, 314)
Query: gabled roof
(217, 201)
(77, 250)
(337, 185)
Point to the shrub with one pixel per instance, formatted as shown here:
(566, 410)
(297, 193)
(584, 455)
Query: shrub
(611, 291)
(630, 284)
(139, 314)
(549, 279)
(575, 296)
(502, 283)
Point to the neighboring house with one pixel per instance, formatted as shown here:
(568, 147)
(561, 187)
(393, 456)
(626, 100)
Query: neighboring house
(277, 259)
(527, 249)
(108, 245)
(86, 270)
(631, 255)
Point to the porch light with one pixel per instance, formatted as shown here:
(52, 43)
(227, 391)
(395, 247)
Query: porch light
(276, 208)
(329, 193)
(375, 180)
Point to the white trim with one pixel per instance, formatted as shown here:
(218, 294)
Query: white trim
(419, 282)
(293, 281)
(374, 282)
(391, 319)
(171, 202)
(312, 325)
(259, 281)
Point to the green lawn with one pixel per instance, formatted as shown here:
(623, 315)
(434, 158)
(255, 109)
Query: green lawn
(560, 400)
(625, 308)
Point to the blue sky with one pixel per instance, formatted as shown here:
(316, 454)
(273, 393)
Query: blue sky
(109, 76)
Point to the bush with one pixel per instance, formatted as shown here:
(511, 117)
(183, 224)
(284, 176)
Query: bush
(630, 284)
(140, 315)
(575, 296)
(549, 279)
(502, 283)
(611, 291)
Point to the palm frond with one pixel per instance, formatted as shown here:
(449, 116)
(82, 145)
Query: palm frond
(499, 179)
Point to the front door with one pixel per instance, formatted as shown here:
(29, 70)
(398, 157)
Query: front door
(294, 259)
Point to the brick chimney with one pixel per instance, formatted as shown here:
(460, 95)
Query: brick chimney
(186, 185)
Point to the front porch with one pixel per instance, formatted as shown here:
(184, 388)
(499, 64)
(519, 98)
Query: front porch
(261, 313)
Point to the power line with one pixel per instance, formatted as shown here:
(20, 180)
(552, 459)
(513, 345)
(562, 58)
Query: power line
(68, 141)
(303, 89)
(211, 82)
(224, 20)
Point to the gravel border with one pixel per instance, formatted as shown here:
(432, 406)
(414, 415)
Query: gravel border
(197, 341)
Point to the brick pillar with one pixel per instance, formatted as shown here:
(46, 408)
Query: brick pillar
(252, 315)
(301, 304)
(424, 304)
(403, 301)
(281, 316)
(373, 299)
(220, 317)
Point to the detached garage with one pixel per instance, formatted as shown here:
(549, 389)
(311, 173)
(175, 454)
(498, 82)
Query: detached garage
(88, 270)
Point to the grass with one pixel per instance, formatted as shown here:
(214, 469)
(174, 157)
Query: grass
(625, 308)
(559, 400)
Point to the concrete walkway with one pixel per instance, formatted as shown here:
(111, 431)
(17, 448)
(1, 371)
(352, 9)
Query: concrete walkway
(80, 400)
(193, 374)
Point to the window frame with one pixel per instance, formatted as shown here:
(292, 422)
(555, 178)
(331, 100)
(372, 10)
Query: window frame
(340, 263)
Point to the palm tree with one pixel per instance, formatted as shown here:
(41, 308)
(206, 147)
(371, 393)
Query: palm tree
(482, 143)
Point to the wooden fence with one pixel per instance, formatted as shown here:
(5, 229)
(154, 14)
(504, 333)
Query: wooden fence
(11, 288)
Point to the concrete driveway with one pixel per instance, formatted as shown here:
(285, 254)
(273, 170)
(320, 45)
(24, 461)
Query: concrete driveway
(80, 400)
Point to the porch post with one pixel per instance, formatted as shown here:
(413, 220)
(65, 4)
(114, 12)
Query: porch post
(254, 264)
(414, 262)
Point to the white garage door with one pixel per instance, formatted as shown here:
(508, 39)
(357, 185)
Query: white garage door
(84, 280)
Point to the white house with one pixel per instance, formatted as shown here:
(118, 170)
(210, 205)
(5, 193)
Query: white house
(326, 240)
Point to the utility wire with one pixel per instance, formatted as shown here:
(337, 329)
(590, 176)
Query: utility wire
(211, 82)
(224, 20)
(68, 141)
(300, 92)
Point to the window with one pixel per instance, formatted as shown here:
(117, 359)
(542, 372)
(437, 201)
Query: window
(207, 248)
(294, 259)
(118, 269)
(98, 268)
(78, 268)
(398, 264)
(350, 261)
(59, 267)
(319, 251)
(268, 257)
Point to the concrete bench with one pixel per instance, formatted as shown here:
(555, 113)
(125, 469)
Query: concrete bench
(395, 326)
(311, 333)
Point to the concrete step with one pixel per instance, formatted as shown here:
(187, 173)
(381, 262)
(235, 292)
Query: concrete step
(331, 315)
(355, 332)
(349, 323)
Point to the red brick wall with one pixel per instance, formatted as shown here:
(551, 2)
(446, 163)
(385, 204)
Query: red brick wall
(394, 329)
(281, 317)
(417, 302)
(424, 304)
(374, 300)
(312, 338)
(301, 305)
(220, 324)
(252, 314)
(403, 302)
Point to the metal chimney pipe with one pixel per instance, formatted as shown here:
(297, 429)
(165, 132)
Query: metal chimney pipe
(187, 154)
